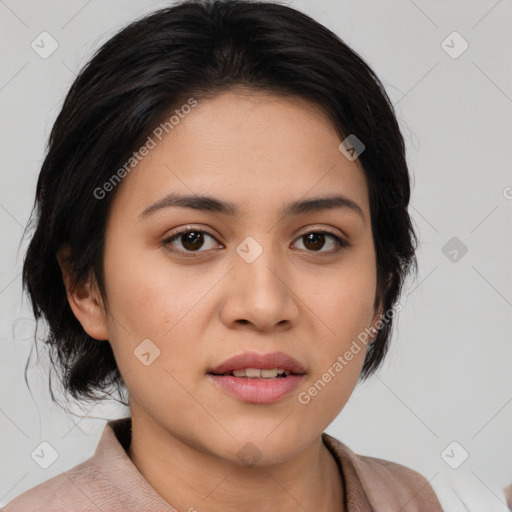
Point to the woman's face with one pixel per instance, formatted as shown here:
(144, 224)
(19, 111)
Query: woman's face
(254, 280)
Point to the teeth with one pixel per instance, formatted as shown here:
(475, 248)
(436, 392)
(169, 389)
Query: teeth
(256, 373)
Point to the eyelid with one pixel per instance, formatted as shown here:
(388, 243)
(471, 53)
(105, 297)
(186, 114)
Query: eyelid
(166, 242)
(340, 240)
(322, 229)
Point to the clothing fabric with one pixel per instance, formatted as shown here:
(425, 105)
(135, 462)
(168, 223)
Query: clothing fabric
(508, 496)
(110, 482)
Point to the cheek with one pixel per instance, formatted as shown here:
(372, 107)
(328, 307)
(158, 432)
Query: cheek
(344, 299)
(149, 299)
(147, 294)
(343, 307)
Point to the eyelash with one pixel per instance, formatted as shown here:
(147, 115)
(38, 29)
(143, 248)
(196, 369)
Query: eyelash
(340, 242)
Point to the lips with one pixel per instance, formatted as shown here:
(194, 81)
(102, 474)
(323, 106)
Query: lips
(269, 361)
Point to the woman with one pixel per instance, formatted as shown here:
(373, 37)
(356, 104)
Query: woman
(222, 231)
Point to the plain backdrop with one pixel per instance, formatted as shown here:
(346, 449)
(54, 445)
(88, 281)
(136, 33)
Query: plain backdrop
(445, 391)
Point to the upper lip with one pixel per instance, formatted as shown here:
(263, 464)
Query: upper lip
(256, 360)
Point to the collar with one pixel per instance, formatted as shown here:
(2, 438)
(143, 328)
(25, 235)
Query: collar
(136, 493)
(369, 484)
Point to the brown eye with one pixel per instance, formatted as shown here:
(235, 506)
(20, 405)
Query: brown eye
(314, 241)
(190, 240)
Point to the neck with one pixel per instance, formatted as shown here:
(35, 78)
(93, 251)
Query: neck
(310, 480)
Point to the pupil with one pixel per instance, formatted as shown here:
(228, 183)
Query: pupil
(191, 240)
(314, 237)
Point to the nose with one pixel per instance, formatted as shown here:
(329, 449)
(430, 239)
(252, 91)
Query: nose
(261, 292)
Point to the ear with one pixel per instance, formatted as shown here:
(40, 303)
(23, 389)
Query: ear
(85, 300)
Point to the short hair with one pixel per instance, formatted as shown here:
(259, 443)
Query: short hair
(199, 48)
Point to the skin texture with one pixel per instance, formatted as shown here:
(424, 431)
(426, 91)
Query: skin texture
(260, 152)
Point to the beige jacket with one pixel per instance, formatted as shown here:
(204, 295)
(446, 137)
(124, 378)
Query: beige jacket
(110, 482)
(508, 496)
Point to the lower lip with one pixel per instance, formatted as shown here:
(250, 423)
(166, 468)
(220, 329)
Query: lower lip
(258, 391)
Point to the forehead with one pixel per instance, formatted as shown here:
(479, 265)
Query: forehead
(253, 149)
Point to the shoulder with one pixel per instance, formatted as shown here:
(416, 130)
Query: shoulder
(389, 481)
(387, 485)
(508, 496)
(76, 487)
(102, 482)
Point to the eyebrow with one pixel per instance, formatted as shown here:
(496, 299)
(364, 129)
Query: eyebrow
(212, 204)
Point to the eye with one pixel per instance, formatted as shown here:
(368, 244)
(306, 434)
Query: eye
(315, 240)
(188, 241)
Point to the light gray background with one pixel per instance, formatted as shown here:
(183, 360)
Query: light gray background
(448, 375)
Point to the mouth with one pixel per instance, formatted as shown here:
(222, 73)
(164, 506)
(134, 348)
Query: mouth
(255, 365)
(258, 378)
(258, 373)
